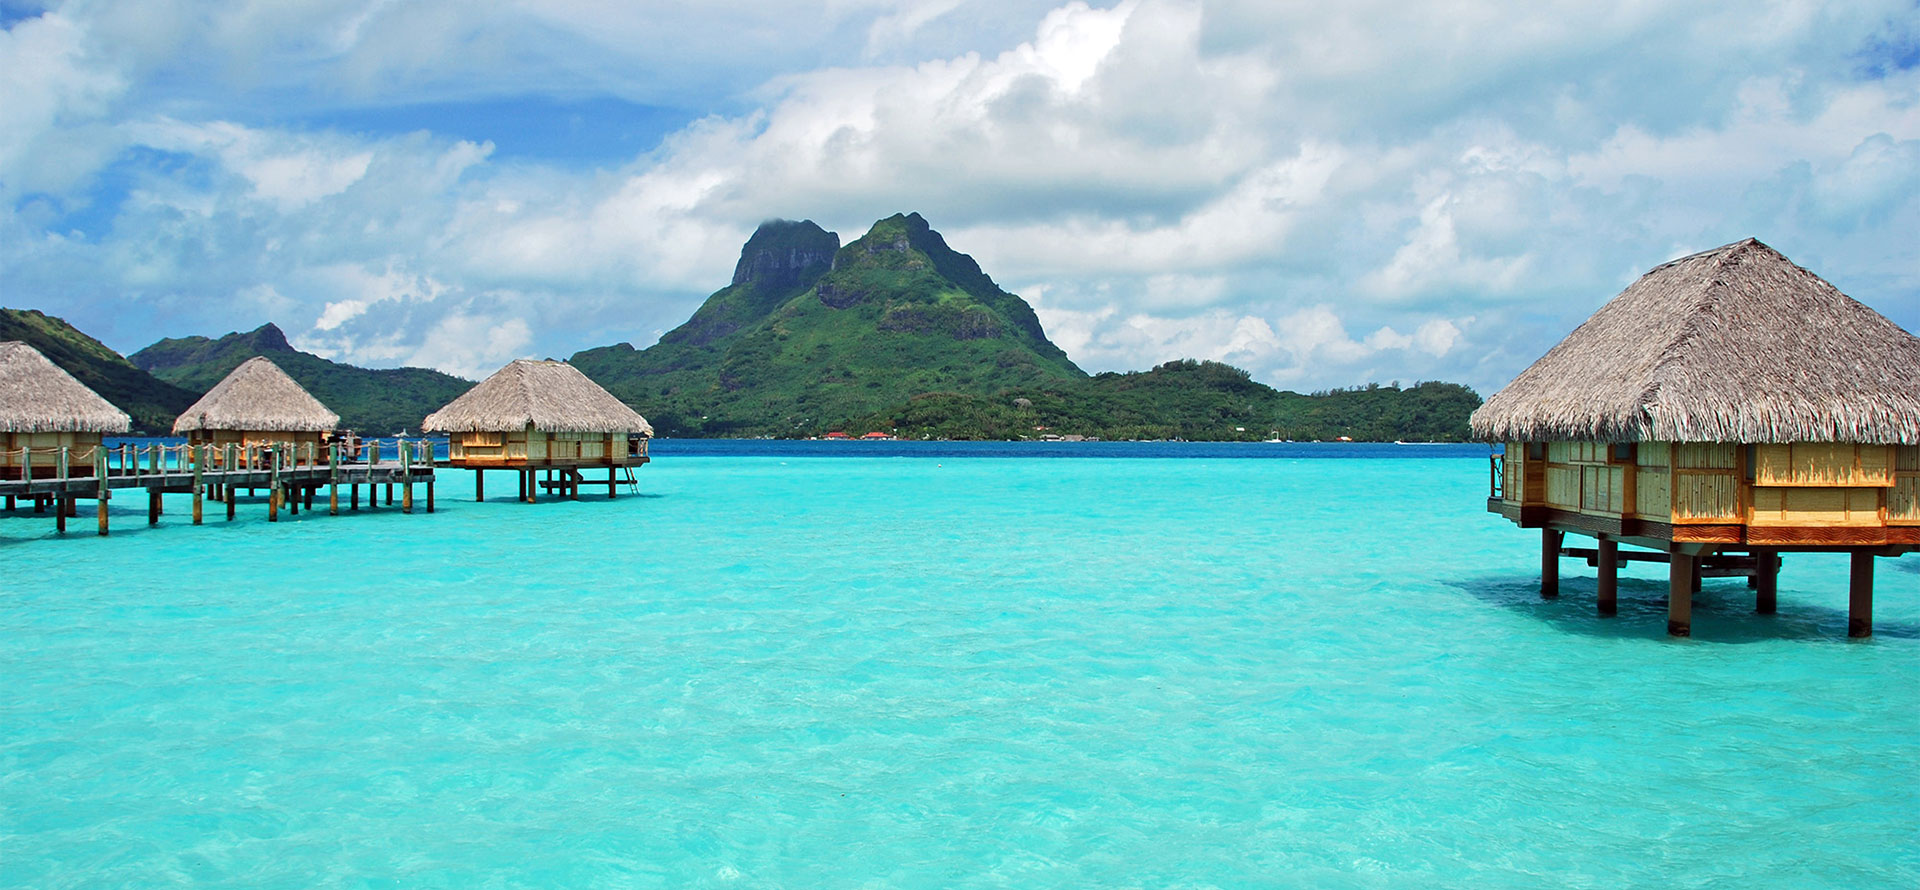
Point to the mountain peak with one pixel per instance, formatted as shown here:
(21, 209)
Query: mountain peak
(782, 252)
(268, 338)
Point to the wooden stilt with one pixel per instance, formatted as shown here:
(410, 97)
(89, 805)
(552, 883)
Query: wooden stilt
(406, 497)
(292, 499)
(479, 486)
(199, 489)
(309, 499)
(9, 503)
(1860, 595)
(1680, 575)
(103, 493)
(273, 506)
(1550, 563)
(153, 506)
(229, 502)
(1609, 576)
(60, 514)
(389, 494)
(429, 495)
(1766, 580)
(40, 503)
(610, 476)
(353, 496)
(1696, 576)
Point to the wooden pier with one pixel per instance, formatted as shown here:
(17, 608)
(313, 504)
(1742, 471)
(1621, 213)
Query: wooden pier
(56, 479)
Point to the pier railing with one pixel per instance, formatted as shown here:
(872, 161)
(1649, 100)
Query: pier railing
(131, 460)
(1496, 476)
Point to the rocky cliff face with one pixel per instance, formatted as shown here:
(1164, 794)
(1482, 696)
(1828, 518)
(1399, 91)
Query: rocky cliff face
(782, 253)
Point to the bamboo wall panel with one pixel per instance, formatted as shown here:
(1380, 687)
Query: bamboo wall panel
(1602, 489)
(1705, 456)
(1824, 464)
(1903, 501)
(1706, 496)
(1512, 473)
(1653, 492)
(1906, 458)
(1652, 454)
(1791, 506)
(1563, 487)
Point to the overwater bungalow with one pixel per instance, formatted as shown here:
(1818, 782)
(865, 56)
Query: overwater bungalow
(534, 416)
(258, 404)
(44, 409)
(1727, 407)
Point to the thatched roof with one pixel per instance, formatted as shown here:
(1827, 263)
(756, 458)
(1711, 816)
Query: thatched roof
(257, 396)
(551, 396)
(1736, 344)
(36, 396)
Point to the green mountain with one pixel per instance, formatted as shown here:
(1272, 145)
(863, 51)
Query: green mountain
(372, 401)
(151, 402)
(810, 334)
(1186, 399)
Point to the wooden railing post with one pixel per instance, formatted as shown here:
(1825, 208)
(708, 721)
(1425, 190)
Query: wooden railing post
(406, 478)
(100, 471)
(333, 479)
(199, 462)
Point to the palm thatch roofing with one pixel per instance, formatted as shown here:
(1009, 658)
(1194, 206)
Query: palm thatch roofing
(257, 396)
(1736, 344)
(550, 396)
(37, 396)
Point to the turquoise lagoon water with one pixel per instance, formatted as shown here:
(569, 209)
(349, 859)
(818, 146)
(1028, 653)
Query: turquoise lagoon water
(909, 667)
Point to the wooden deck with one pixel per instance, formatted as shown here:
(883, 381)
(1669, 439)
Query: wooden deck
(53, 480)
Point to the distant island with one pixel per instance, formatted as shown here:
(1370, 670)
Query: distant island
(895, 332)
(899, 333)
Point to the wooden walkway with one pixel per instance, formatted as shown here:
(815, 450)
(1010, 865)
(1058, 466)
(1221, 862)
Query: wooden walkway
(54, 479)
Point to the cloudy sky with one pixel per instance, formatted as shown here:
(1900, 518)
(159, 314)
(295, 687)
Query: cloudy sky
(1323, 193)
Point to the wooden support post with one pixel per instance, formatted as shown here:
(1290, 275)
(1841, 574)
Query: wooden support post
(227, 490)
(429, 495)
(1680, 575)
(307, 502)
(40, 503)
(199, 490)
(102, 493)
(333, 479)
(9, 503)
(1860, 595)
(1696, 576)
(60, 513)
(406, 497)
(153, 506)
(1609, 576)
(353, 495)
(273, 491)
(389, 494)
(610, 482)
(1766, 580)
(1550, 563)
(479, 487)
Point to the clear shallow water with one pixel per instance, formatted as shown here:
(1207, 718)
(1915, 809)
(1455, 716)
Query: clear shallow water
(937, 670)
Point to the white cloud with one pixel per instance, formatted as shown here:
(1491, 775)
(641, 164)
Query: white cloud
(1247, 181)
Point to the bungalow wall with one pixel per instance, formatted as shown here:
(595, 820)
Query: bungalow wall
(542, 448)
(46, 453)
(300, 442)
(1707, 483)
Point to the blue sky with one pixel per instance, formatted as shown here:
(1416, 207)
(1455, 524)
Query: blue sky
(1324, 194)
